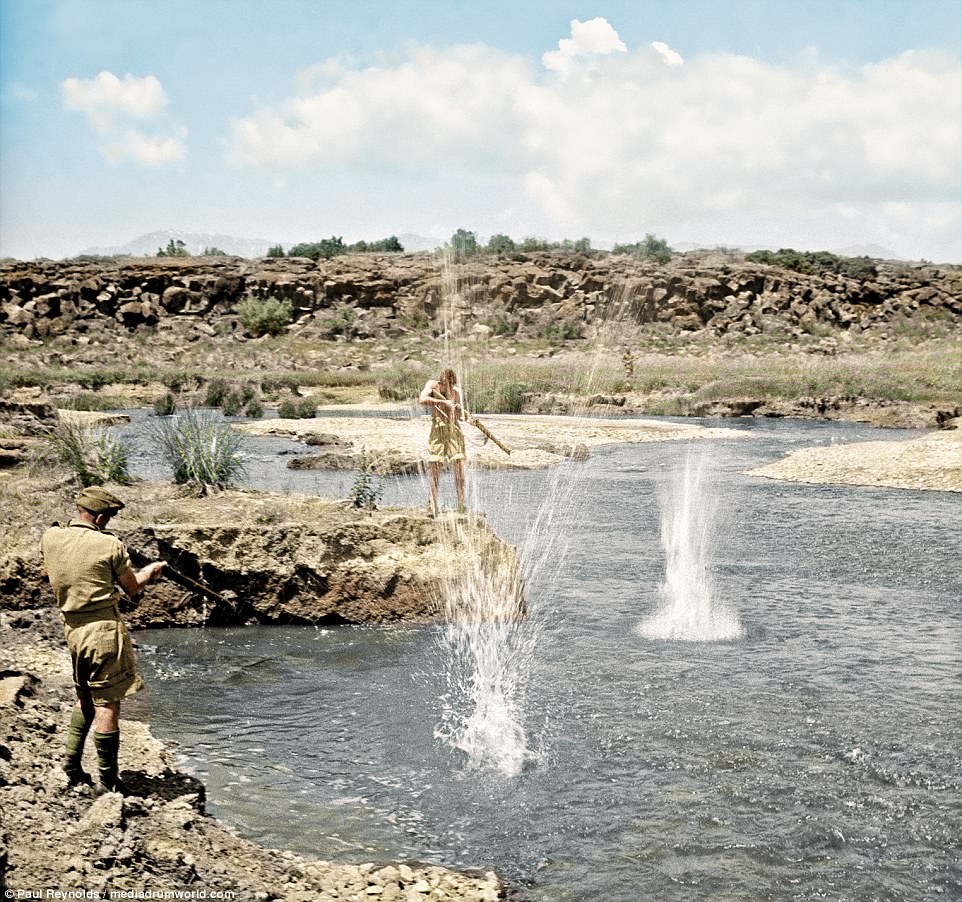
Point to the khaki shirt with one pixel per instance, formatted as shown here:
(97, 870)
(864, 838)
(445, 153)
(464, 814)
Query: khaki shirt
(83, 564)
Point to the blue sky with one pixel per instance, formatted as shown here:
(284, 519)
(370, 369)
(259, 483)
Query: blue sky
(782, 123)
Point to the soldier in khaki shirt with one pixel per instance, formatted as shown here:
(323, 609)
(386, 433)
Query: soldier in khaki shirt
(87, 568)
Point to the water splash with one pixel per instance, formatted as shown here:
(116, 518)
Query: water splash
(690, 610)
(486, 646)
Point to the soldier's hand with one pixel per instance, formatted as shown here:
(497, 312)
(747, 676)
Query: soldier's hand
(156, 567)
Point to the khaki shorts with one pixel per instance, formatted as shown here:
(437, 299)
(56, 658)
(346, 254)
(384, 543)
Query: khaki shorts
(446, 442)
(102, 655)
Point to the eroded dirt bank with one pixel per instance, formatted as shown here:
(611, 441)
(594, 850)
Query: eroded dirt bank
(268, 558)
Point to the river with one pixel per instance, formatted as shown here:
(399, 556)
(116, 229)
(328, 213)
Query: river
(811, 751)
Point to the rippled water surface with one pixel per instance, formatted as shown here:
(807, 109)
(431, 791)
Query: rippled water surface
(817, 754)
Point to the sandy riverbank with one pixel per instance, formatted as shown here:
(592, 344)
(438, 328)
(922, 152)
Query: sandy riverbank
(534, 441)
(931, 462)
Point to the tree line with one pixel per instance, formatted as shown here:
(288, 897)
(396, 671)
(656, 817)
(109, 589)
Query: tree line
(462, 244)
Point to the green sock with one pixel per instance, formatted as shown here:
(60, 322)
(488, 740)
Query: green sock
(108, 748)
(77, 734)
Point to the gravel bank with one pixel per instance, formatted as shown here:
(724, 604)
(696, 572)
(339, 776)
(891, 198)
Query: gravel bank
(59, 839)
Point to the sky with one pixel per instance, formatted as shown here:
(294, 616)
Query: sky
(811, 124)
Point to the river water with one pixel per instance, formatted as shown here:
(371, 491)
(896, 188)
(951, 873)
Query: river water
(728, 688)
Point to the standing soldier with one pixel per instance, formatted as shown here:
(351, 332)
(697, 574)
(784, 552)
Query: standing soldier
(446, 442)
(87, 567)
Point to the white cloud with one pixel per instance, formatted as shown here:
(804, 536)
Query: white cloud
(111, 104)
(105, 99)
(459, 108)
(588, 39)
(671, 57)
(639, 145)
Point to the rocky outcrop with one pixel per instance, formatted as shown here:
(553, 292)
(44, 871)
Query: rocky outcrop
(550, 295)
(332, 565)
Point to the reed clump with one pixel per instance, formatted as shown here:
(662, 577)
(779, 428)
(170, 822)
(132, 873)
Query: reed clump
(92, 455)
(200, 450)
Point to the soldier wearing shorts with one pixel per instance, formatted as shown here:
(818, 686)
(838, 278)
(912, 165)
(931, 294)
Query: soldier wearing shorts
(446, 441)
(88, 567)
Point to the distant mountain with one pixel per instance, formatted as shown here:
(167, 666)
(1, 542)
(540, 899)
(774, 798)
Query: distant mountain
(195, 243)
(875, 251)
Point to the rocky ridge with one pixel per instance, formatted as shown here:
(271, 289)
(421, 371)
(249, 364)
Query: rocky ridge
(561, 296)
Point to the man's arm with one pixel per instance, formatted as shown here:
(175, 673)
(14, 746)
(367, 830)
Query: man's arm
(430, 395)
(133, 581)
(425, 396)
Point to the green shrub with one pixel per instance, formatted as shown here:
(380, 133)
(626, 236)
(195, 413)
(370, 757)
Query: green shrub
(254, 409)
(200, 450)
(501, 325)
(217, 390)
(402, 385)
(304, 409)
(816, 262)
(501, 244)
(176, 381)
(94, 401)
(326, 248)
(93, 455)
(502, 397)
(273, 386)
(174, 249)
(232, 403)
(364, 492)
(563, 329)
(165, 406)
(261, 316)
(651, 248)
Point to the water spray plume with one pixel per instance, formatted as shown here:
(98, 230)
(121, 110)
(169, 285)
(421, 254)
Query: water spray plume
(486, 647)
(689, 610)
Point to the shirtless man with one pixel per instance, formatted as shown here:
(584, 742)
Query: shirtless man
(446, 442)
